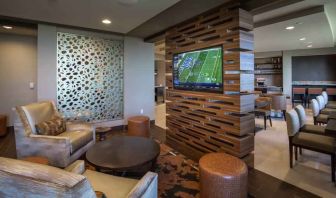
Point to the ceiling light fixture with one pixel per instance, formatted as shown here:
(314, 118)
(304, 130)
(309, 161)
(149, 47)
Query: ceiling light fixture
(302, 39)
(309, 46)
(106, 21)
(290, 27)
(7, 27)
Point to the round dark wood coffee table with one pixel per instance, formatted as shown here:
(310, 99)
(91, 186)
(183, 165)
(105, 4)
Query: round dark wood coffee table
(123, 153)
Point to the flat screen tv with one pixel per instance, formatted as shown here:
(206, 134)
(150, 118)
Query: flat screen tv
(199, 70)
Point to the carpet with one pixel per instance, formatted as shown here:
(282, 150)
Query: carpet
(178, 176)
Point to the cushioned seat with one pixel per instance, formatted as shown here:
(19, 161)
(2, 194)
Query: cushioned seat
(322, 118)
(102, 182)
(309, 128)
(318, 142)
(327, 111)
(61, 150)
(331, 105)
(78, 138)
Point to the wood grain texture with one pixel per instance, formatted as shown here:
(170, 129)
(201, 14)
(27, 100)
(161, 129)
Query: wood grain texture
(208, 122)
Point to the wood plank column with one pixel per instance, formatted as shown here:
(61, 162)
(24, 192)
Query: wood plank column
(212, 122)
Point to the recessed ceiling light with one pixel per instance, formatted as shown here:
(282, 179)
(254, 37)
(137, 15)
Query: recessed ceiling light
(7, 27)
(290, 27)
(106, 21)
(309, 46)
(302, 39)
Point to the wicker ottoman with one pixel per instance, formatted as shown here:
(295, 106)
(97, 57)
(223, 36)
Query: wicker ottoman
(222, 175)
(138, 126)
(3, 125)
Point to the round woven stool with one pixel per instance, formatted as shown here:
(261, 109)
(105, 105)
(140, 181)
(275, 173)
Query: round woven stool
(138, 126)
(222, 175)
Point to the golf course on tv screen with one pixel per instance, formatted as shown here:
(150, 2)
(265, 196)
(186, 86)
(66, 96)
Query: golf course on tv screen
(199, 70)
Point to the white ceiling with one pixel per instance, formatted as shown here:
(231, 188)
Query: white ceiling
(315, 28)
(87, 13)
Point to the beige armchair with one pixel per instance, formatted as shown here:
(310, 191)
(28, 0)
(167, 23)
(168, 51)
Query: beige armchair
(25, 179)
(61, 150)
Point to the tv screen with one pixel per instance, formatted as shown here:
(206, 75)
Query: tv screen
(199, 70)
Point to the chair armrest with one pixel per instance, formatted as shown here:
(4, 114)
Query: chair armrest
(56, 149)
(146, 187)
(77, 167)
(50, 139)
(75, 126)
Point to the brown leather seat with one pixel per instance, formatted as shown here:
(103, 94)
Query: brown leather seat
(322, 118)
(314, 141)
(309, 128)
(222, 175)
(138, 126)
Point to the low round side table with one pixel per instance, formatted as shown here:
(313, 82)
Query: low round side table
(37, 159)
(101, 132)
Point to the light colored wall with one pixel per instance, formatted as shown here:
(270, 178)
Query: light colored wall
(138, 78)
(17, 70)
(138, 70)
(287, 63)
(160, 73)
(46, 62)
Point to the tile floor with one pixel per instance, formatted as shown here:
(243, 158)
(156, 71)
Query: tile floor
(311, 172)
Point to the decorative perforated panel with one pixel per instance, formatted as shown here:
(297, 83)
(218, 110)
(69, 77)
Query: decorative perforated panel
(89, 77)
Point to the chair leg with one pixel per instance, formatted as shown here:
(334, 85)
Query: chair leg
(295, 152)
(265, 122)
(270, 120)
(333, 167)
(300, 151)
(284, 114)
(290, 155)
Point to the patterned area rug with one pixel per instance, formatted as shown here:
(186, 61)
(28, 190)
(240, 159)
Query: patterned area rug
(178, 176)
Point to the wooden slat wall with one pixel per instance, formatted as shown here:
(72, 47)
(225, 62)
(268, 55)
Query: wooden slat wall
(208, 122)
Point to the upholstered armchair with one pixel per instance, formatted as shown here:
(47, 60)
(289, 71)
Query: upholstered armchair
(25, 179)
(62, 149)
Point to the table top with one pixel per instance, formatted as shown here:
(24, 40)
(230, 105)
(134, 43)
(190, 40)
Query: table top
(121, 153)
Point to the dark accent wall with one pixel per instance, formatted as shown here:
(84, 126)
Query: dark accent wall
(314, 68)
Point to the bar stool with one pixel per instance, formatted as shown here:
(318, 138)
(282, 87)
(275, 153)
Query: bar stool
(312, 93)
(299, 95)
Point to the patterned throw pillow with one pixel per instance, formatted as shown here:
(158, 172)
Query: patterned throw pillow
(54, 127)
